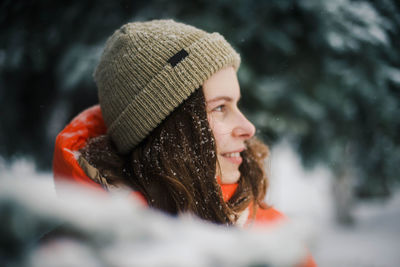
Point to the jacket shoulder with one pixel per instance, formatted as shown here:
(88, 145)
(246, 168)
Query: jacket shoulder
(268, 215)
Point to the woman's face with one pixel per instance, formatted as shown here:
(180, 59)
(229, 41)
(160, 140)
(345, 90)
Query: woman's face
(230, 127)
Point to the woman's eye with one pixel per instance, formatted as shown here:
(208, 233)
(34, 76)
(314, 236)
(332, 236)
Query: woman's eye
(220, 108)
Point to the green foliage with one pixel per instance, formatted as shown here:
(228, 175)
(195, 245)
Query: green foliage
(336, 92)
(323, 74)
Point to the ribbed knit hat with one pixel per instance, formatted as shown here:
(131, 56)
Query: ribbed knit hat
(148, 69)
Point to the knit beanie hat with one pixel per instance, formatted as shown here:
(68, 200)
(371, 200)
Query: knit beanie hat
(148, 69)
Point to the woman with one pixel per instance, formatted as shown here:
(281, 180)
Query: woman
(169, 128)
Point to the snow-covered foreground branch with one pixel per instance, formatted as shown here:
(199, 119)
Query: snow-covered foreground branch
(114, 230)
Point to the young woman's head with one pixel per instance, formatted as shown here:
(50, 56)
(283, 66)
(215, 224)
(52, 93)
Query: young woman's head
(168, 94)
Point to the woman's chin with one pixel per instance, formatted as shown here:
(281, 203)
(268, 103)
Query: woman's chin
(230, 178)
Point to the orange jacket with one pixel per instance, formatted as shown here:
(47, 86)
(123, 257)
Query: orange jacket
(90, 124)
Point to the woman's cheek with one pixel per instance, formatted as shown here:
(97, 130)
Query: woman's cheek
(220, 129)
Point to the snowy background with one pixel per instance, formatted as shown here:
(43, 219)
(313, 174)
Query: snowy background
(319, 79)
(304, 196)
(373, 240)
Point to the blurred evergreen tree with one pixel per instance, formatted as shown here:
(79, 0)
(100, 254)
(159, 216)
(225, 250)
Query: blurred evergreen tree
(323, 74)
(326, 75)
(47, 53)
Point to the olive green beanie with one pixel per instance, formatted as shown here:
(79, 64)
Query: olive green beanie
(147, 69)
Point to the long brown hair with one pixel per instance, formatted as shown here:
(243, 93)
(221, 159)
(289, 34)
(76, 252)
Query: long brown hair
(175, 166)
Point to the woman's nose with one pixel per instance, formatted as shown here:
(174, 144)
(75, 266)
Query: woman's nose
(244, 128)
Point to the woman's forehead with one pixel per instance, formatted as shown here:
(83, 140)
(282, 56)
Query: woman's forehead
(222, 85)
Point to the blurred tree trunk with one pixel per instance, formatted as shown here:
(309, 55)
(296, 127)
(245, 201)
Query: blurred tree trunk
(343, 190)
(343, 198)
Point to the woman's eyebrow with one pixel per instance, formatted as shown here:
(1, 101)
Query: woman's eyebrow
(218, 98)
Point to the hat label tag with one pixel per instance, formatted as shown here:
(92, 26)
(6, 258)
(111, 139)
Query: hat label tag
(178, 57)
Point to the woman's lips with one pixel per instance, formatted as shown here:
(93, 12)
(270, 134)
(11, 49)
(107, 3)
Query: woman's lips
(233, 157)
